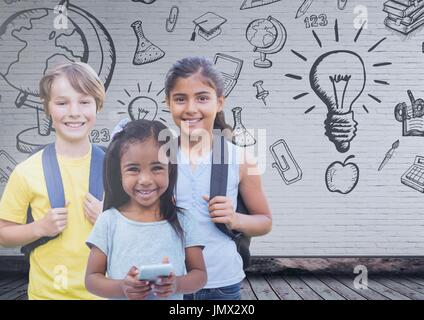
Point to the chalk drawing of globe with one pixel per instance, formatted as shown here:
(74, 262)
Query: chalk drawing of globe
(30, 45)
(261, 33)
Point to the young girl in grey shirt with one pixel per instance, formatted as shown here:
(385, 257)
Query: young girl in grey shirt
(142, 224)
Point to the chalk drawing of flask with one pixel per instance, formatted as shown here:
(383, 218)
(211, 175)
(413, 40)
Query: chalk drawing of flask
(146, 51)
(241, 136)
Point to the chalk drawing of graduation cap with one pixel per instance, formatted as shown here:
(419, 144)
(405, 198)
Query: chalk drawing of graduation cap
(208, 26)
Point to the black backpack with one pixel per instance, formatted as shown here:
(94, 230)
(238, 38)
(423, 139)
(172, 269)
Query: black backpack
(218, 187)
(55, 186)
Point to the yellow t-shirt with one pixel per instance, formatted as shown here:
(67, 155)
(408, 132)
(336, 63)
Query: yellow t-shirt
(57, 269)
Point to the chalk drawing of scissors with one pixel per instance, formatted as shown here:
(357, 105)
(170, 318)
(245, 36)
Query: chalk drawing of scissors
(171, 21)
(285, 163)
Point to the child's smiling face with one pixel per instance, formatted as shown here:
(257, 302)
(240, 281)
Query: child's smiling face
(144, 177)
(194, 104)
(73, 113)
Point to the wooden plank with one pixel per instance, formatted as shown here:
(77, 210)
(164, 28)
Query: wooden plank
(416, 279)
(367, 293)
(282, 288)
(409, 283)
(8, 283)
(400, 288)
(339, 287)
(15, 293)
(386, 291)
(262, 288)
(246, 291)
(7, 280)
(301, 288)
(323, 290)
(7, 288)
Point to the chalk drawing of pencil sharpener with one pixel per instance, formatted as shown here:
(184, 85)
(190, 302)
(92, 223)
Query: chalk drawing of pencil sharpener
(285, 163)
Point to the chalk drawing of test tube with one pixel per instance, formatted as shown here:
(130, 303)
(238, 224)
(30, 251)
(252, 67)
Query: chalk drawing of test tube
(285, 163)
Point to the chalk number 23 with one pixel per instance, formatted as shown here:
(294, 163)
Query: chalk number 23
(100, 136)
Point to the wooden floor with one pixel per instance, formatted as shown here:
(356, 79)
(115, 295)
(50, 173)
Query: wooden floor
(323, 286)
(291, 286)
(13, 286)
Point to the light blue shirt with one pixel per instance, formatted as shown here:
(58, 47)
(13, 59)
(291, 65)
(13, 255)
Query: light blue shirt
(223, 263)
(128, 243)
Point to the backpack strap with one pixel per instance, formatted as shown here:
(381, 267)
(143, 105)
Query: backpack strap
(53, 177)
(55, 189)
(219, 177)
(96, 172)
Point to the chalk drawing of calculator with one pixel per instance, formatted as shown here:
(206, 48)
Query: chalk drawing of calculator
(285, 163)
(230, 68)
(414, 177)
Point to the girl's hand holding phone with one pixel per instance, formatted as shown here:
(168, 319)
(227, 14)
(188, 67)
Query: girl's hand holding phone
(165, 286)
(221, 210)
(133, 288)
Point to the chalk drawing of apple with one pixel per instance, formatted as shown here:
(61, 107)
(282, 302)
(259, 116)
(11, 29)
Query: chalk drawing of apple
(342, 177)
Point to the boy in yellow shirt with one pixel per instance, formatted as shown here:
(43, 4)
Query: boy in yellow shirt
(72, 94)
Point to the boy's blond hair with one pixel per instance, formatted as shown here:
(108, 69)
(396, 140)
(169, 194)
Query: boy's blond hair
(82, 78)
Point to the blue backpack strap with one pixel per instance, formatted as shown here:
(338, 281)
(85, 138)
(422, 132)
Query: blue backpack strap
(53, 177)
(219, 177)
(219, 172)
(55, 192)
(96, 172)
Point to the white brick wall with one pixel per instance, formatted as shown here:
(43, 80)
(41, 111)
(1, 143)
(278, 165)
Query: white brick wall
(381, 216)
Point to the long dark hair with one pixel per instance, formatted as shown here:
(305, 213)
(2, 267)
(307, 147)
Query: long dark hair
(139, 131)
(185, 68)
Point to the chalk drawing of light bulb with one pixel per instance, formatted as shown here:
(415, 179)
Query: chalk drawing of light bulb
(144, 105)
(338, 79)
(143, 108)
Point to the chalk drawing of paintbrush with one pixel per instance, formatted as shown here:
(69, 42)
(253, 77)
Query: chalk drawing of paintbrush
(389, 154)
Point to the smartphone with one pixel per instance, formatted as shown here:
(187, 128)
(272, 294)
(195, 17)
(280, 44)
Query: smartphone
(154, 271)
